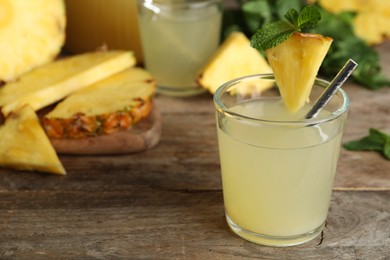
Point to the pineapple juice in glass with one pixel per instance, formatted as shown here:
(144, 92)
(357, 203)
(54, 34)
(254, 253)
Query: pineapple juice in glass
(277, 168)
(178, 38)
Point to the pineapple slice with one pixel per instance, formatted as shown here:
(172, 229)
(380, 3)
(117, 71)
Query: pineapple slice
(235, 58)
(31, 34)
(295, 63)
(54, 81)
(105, 107)
(25, 146)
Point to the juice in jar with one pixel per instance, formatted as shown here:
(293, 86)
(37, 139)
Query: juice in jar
(177, 40)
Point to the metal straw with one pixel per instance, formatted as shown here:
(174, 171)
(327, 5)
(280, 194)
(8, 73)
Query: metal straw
(330, 90)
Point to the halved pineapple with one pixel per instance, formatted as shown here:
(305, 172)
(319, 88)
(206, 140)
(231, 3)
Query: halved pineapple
(107, 106)
(54, 81)
(24, 144)
(295, 63)
(31, 34)
(235, 58)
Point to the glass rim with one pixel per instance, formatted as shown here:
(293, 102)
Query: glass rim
(342, 109)
(157, 6)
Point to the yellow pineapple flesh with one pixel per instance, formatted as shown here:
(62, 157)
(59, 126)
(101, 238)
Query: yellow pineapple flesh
(295, 64)
(107, 106)
(235, 58)
(31, 34)
(52, 82)
(25, 146)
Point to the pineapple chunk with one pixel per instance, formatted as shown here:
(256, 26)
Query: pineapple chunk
(54, 81)
(295, 63)
(31, 34)
(235, 58)
(107, 106)
(25, 146)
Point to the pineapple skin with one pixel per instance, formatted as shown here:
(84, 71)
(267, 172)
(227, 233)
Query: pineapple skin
(48, 84)
(296, 63)
(82, 126)
(113, 104)
(234, 58)
(32, 34)
(25, 146)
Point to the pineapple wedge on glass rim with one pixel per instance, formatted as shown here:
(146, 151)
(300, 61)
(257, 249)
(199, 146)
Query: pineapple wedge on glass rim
(295, 63)
(25, 146)
(52, 82)
(113, 104)
(32, 33)
(234, 58)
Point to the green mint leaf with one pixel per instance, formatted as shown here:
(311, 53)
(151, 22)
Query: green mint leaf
(364, 144)
(309, 17)
(377, 136)
(386, 149)
(375, 141)
(292, 16)
(272, 34)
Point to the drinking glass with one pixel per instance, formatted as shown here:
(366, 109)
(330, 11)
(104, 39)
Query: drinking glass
(277, 167)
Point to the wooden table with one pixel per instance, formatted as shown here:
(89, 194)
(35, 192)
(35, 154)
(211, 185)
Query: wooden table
(166, 203)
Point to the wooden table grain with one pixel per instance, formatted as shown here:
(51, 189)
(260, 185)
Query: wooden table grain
(166, 203)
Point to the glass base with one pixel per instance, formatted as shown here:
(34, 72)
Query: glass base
(180, 91)
(275, 241)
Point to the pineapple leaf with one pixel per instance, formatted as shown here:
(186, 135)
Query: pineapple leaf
(274, 33)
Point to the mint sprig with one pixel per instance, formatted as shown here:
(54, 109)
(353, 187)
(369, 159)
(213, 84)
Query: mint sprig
(274, 33)
(375, 141)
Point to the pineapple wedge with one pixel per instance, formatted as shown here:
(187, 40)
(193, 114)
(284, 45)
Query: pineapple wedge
(31, 34)
(54, 81)
(25, 146)
(295, 63)
(235, 58)
(107, 106)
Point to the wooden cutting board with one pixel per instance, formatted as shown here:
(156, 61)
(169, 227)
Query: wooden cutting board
(140, 137)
